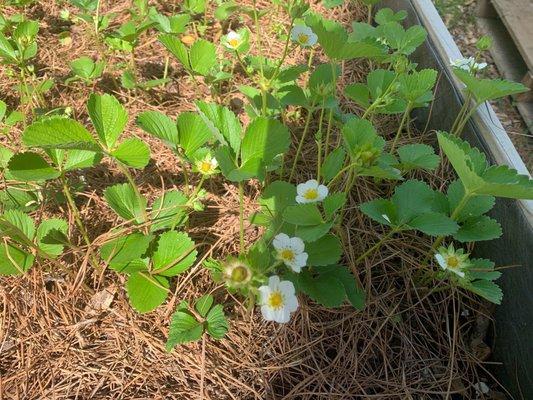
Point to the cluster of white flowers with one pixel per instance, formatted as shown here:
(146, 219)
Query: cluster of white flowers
(468, 64)
(304, 36)
(278, 299)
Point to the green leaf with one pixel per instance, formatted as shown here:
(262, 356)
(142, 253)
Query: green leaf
(381, 210)
(312, 233)
(203, 304)
(422, 156)
(31, 167)
(124, 201)
(168, 210)
(474, 207)
(108, 116)
(359, 93)
(175, 253)
(59, 133)
(119, 252)
(146, 292)
(264, 140)
(177, 48)
(479, 228)
(184, 328)
(416, 87)
(486, 289)
(132, 152)
(332, 203)
(203, 57)
(325, 289)
(488, 89)
(325, 251)
(471, 167)
(217, 325)
(18, 226)
(193, 132)
(78, 159)
(360, 134)
(223, 123)
(303, 214)
(52, 236)
(434, 224)
(413, 198)
(159, 125)
(14, 261)
(386, 15)
(333, 163)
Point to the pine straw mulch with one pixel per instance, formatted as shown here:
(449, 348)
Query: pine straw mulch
(73, 335)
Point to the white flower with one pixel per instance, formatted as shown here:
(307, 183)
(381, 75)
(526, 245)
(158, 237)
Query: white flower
(207, 166)
(468, 64)
(278, 300)
(290, 251)
(311, 192)
(232, 40)
(452, 260)
(304, 36)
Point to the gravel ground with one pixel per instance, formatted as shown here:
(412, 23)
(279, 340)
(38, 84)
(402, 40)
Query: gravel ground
(459, 16)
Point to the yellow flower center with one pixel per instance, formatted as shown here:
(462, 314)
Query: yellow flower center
(233, 42)
(206, 166)
(287, 254)
(275, 300)
(452, 262)
(303, 38)
(311, 194)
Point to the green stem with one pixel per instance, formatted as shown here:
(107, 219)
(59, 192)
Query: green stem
(319, 143)
(465, 120)
(197, 188)
(376, 246)
(165, 72)
(369, 16)
(462, 111)
(96, 20)
(285, 52)
(77, 218)
(400, 128)
(330, 115)
(241, 217)
(300, 144)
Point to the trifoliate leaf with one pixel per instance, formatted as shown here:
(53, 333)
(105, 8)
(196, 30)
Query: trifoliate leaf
(177, 48)
(416, 86)
(146, 292)
(59, 133)
(14, 261)
(359, 93)
(488, 89)
(132, 152)
(413, 198)
(159, 125)
(31, 166)
(482, 268)
(184, 328)
(169, 210)
(312, 233)
(217, 325)
(471, 166)
(386, 15)
(475, 229)
(413, 156)
(125, 202)
(303, 214)
(52, 236)
(174, 253)
(108, 116)
(325, 251)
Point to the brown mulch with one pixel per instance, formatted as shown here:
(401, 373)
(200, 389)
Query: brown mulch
(74, 335)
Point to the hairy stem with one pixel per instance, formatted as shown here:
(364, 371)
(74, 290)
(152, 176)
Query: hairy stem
(300, 144)
(376, 246)
(241, 217)
(400, 128)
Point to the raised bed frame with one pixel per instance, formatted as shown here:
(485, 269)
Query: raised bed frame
(512, 342)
